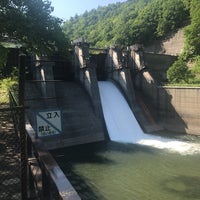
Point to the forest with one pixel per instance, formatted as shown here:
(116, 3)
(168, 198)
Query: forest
(133, 21)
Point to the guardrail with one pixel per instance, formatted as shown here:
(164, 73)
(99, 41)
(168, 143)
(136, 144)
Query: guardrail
(14, 108)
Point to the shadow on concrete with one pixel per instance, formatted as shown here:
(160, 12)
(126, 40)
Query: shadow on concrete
(158, 102)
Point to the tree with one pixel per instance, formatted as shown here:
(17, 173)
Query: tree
(30, 23)
(192, 32)
(179, 72)
(172, 14)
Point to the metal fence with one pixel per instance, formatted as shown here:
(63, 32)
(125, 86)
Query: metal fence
(9, 154)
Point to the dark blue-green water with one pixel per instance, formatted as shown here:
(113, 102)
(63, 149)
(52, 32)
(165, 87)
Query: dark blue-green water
(115, 171)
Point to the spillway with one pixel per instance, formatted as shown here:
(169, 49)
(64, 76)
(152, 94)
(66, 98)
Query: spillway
(123, 127)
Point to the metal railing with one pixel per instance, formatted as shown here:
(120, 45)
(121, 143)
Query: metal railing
(14, 108)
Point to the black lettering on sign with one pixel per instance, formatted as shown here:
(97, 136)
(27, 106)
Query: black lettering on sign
(47, 128)
(41, 128)
(56, 115)
(49, 115)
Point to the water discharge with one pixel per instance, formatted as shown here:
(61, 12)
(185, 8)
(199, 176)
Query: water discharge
(123, 127)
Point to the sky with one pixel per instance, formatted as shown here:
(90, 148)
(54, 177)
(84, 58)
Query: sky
(65, 9)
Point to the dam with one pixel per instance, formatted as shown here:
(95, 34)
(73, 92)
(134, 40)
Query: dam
(93, 119)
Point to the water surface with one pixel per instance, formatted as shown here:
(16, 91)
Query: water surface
(115, 171)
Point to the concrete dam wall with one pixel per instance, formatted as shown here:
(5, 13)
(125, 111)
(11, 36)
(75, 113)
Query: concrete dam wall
(175, 109)
(156, 108)
(78, 99)
(66, 100)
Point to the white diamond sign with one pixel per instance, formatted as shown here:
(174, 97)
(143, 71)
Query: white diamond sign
(48, 123)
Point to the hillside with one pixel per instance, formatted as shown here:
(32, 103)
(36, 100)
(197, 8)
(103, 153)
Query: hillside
(133, 21)
(171, 45)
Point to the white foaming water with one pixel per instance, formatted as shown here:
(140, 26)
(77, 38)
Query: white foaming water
(122, 125)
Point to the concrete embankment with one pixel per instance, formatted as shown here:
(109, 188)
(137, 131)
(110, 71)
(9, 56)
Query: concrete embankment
(175, 108)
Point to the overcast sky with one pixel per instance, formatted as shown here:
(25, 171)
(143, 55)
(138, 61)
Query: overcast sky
(65, 9)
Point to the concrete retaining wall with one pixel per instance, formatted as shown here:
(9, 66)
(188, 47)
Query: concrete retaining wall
(158, 65)
(181, 105)
(172, 45)
(176, 108)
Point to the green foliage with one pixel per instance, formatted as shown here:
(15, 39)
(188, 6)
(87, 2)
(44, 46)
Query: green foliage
(187, 3)
(192, 32)
(196, 70)
(179, 72)
(171, 16)
(3, 58)
(5, 85)
(197, 63)
(129, 22)
(30, 23)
